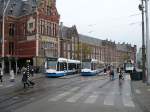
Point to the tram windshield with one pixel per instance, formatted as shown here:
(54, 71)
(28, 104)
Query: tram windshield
(86, 65)
(51, 65)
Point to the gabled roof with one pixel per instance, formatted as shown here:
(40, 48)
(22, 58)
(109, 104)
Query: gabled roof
(18, 7)
(89, 40)
(67, 32)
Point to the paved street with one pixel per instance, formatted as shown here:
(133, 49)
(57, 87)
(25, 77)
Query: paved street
(73, 94)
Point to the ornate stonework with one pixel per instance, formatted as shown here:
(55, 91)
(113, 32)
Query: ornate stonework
(31, 25)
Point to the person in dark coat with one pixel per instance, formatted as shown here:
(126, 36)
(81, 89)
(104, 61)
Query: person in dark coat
(112, 74)
(25, 79)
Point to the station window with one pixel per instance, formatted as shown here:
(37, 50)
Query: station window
(11, 29)
(30, 25)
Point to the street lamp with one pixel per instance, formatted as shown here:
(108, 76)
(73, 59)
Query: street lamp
(3, 34)
(141, 8)
(147, 42)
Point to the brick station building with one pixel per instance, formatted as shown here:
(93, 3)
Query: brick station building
(31, 31)
(106, 51)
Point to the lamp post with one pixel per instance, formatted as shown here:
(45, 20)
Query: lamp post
(141, 8)
(147, 42)
(3, 34)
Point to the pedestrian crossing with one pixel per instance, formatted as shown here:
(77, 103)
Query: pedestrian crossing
(88, 96)
(91, 99)
(5, 86)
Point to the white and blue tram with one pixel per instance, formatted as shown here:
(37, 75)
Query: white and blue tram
(89, 67)
(56, 67)
(129, 66)
(73, 66)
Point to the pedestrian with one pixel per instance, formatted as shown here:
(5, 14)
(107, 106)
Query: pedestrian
(23, 69)
(30, 80)
(105, 72)
(25, 79)
(121, 75)
(109, 73)
(12, 76)
(1, 75)
(31, 71)
(112, 74)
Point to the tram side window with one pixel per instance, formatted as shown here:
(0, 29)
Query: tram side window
(93, 66)
(72, 66)
(61, 66)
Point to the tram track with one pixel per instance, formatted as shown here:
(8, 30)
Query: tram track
(32, 95)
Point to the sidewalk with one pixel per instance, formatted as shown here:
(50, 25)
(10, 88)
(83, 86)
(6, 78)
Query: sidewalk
(7, 83)
(142, 94)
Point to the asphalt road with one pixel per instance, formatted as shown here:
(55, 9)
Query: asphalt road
(73, 94)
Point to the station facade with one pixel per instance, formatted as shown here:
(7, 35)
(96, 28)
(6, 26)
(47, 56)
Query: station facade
(33, 32)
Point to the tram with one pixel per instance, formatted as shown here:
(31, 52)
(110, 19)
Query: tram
(56, 67)
(129, 66)
(89, 67)
(73, 66)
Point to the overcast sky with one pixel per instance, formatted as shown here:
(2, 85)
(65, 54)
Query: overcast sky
(116, 20)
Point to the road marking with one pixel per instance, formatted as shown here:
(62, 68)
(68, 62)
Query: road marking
(9, 86)
(60, 96)
(127, 77)
(74, 98)
(148, 89)
(109, 99)
(1, 85)
(138, 91)
(91, 99)
(81, 93)
(127, 101)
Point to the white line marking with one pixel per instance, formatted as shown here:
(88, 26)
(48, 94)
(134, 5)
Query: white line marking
(148, 89)
(109, 99)
(81, 93)
(138, 91)
(127, 101)
(1, 85)
(91, 99)
(74, 98)
(60, 96)
(9, 86)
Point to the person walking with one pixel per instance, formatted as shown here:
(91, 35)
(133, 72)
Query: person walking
(25, 79)
(1, 75)
(112, 74)
(12, 76)
(31, 71)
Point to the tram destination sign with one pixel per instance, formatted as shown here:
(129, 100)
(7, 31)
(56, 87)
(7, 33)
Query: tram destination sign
(86, 60)
(52, 59)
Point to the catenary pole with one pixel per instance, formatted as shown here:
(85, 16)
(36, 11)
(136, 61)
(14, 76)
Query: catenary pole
(147, 42)
(141, 8)
(3, 34)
